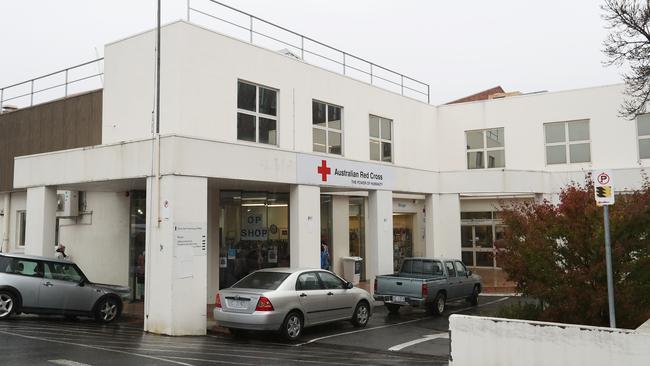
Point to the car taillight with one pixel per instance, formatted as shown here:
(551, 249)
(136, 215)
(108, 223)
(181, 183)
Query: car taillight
(264, 304)
(425, 290)
(217, 301)
(375, 286)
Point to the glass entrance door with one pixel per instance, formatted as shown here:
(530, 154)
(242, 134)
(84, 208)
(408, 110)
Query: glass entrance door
(357, 232)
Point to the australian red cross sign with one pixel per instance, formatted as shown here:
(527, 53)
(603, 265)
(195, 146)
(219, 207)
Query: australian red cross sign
(318, 170)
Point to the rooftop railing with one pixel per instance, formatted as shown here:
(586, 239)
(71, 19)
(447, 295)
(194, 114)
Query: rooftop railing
(59, 84)
(247, 27)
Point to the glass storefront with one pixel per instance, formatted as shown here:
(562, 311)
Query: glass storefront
(137, 229)
(358, 231)
(402, 238)
(478, 232)
(254, 233)
(326, 229)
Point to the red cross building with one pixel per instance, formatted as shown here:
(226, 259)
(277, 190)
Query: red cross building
(324, 170)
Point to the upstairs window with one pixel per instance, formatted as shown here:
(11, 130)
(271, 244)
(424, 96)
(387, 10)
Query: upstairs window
(327, 131)
(257, 110)
(567, 142)
(643, 133)
(381, 139)
(486, 148)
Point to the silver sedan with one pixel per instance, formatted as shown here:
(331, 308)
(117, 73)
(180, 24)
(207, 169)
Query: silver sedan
(288, 300)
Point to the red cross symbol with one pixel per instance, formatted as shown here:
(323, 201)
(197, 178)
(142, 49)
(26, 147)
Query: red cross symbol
(324, 170)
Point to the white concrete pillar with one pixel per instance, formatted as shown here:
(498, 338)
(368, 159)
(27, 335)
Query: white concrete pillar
(40, 228)
(5, 219)
(379, 243)
(176, 260)
(340, 231)
(304, 226)
(442, 226)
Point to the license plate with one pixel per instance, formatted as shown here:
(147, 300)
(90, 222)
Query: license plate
(399, 299)
(240, 304)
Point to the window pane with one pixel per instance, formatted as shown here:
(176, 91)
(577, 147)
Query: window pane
(450, 269)
(268, 101)
(460, 269)
(644, 149)
(374, 126)
(495, 137)
(334, 142)
(22, 217)
(374, 150)
(483, 236)
(330, 281)
(579, 130)
(318, 113)
(466, 236)
(643, 125)
(417, 266)
(319, 140)
(334, 117)
(386, 152)
(496, 159)
(385, 129)
(484, 259)
(579, 153)
(554, 132)
(484, 215)
(268, 131)
(556, 154)
(246, 96)
(475, 160)
(308, 281)
(262, 280)
(245, 127)
(468, 258)
(474, 139)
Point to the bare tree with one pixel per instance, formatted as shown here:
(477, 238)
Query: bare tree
(628, 44)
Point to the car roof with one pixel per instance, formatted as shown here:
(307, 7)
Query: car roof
(35, 257)
(287, 269)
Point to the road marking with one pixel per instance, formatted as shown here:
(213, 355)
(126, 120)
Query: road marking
(393, 325)
(95, 347)
(67, 363)
(418, 341)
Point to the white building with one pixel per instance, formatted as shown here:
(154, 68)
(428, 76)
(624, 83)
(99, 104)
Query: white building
(263, 156)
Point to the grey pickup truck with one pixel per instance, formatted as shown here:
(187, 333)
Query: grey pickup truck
(429, 283)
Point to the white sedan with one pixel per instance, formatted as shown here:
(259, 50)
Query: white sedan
(288, 300)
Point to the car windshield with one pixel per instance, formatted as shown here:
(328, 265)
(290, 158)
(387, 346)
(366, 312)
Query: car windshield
(262, 280)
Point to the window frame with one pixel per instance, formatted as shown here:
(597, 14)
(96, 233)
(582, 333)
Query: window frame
(257, 115)
(495, 223)
(21, 228)
(485, 149)
(567, 142)
(641, 137)
(381, 140)
(327, 129)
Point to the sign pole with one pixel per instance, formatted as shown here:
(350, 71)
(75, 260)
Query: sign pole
(610, 277)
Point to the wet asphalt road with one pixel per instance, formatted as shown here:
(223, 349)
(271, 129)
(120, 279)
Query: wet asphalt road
(414, 337)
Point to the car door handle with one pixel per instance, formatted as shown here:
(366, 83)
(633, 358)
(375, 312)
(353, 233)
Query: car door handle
(330, 293)
(48, 284)
(303, 294)
(398, 283)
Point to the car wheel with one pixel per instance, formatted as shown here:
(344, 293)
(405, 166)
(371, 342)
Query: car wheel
(473, 299)
(292, 326)
(108, 310)
(361, 314)
(7, 304)
(392, 308)
(439, 303)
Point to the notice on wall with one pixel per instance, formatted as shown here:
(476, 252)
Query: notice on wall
(192, 236)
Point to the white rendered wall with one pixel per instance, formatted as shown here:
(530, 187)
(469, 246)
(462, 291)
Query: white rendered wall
(41, 221)
(304, 226)
(442, 227)
(340, 232)
(200, 70)
(98, 240)
(503, 342)
(379, 239)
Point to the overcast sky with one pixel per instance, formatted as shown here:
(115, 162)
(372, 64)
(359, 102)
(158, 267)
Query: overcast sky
(458, 47)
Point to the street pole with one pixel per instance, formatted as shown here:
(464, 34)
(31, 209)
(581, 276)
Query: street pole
(610, 277)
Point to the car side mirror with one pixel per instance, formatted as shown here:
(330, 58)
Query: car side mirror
(349, 285)
(82, 282)
(469, 273)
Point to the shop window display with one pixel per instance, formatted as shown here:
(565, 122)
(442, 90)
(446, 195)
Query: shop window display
(402, 239)
(254, 232)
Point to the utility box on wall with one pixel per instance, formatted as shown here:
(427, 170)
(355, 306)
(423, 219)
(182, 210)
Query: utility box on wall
(67, 203)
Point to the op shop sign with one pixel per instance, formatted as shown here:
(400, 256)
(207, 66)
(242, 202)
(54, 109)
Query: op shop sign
(326, 171)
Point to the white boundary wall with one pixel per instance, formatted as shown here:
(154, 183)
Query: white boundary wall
(502, 342)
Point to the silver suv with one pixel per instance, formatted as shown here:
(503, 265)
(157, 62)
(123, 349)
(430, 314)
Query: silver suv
(40, 285)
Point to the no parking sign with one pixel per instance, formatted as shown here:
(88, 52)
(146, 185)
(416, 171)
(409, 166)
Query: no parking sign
(603, 187)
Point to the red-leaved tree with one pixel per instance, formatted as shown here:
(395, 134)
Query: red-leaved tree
(556, 253)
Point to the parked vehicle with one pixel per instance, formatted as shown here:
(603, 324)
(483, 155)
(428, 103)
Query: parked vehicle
(288, 300)
(428, 282)
(40, 285)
